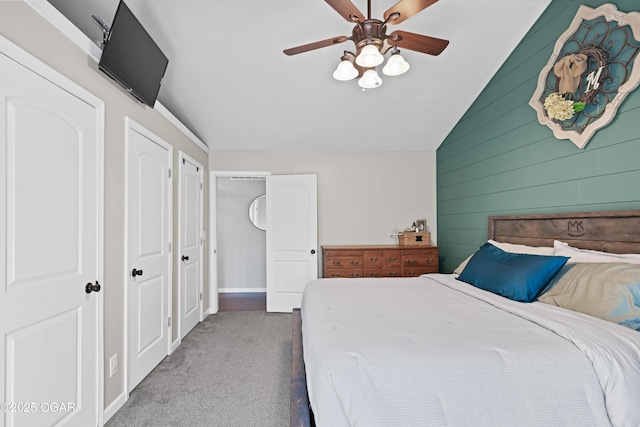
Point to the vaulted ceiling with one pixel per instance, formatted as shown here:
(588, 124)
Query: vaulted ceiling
(229, 82)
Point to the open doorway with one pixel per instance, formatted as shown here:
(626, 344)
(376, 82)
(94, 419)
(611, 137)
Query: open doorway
(289, 249)
(238, 273)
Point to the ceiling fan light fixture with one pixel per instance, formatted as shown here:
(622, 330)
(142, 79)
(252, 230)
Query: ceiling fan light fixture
(370, 80)
(369, 56)
(345, 71)
(372, 42)
(396, 65)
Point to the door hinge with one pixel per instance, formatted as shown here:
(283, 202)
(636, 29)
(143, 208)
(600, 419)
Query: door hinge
(169, 246)
(169, 173)
(200, 186)
(200, 296)
(169, 323)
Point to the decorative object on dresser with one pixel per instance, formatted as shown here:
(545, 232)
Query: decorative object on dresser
(379, 260)
(414, 238)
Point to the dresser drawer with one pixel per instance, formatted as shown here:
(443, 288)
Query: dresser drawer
(418, 271)
(344, 260)
(372, 259)
(415, 258)
(383, 272)
(343, 272)
(392, 258)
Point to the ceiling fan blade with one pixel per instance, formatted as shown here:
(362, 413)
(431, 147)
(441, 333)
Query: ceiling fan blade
(406, 9)
(316, 45)
(417, 42)
(347, 10)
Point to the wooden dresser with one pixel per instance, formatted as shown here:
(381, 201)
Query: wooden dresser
(379, 261)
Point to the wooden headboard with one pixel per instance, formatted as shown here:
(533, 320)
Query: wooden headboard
(615, 231)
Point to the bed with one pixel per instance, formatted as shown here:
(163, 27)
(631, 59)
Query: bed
(435, 350)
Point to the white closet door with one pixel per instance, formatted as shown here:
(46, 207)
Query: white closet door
(292, 239)
(149, 235)
(190, 245)
(49, 228)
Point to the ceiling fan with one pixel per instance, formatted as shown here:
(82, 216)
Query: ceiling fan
(372, 41)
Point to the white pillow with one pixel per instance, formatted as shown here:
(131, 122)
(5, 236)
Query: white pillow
(462, 265)
(524, 249)
(585, 255)
(513, 248)
(602, 289)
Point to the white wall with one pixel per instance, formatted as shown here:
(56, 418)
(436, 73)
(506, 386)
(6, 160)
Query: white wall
(241, 247)
(362, 196)
(26, 28)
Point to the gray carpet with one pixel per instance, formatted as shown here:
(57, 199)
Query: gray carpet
(233, 369)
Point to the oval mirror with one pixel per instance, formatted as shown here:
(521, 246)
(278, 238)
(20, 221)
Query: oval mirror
(258, 212)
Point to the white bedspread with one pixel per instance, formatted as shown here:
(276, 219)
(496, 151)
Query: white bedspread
(433, 351)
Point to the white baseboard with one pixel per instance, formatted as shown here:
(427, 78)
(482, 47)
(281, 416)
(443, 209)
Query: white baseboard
(175, 344)
(114, 406)
(241, 290)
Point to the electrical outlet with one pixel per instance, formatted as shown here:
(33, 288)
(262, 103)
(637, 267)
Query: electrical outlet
(113, 365)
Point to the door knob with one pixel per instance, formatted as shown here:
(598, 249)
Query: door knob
(92, 288)
(135, 272)
(185, 258)
(313, 251)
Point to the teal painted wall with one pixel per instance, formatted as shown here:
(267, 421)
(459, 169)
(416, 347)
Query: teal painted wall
(499, 160)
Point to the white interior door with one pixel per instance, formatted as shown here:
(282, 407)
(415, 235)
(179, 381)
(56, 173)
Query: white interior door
(190, 244)
(50, 225)
(149, 253)
(292, 239)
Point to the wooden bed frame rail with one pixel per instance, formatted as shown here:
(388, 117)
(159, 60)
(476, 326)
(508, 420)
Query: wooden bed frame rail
(301, 415)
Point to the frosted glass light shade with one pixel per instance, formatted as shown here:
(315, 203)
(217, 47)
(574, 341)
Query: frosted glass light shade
(345, 71)
(370, 80)
(396, 65)
(369, 57)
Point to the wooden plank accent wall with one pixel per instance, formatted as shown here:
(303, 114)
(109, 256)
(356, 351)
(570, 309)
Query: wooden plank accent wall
(499, 160)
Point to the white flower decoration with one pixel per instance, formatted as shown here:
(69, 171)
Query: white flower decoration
(558, 108)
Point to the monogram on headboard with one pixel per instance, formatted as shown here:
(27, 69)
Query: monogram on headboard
(575, 228)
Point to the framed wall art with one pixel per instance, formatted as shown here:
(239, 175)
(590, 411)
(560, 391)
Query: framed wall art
(595, 64)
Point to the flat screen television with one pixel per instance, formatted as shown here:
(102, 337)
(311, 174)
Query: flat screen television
(132, 58)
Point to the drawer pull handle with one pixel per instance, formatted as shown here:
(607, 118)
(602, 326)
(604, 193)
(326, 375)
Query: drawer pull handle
(355, 274)
(391, 259)
(411, 261)
(335, 262)
(355, 262)
(373, 274)
(372, 259)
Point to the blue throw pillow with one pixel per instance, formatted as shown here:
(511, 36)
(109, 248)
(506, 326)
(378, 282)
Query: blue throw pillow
(520, 277)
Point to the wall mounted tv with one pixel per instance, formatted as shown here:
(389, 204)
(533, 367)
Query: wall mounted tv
(132, 58)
